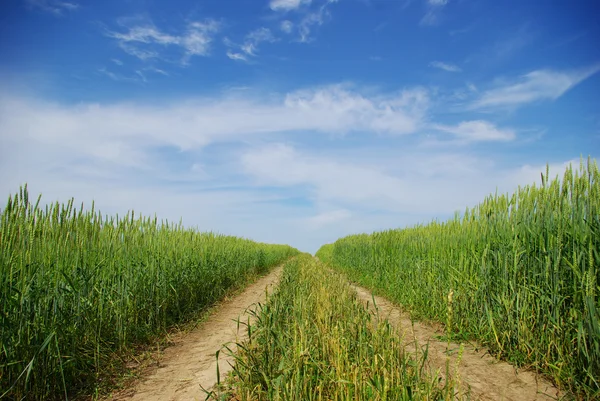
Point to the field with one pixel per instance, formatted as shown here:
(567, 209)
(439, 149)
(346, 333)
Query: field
(518, 272)
(79, 290)
(314, 340)
(82, 292)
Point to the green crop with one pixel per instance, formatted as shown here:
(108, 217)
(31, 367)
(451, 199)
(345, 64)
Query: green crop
(524, 270)
(78, 289)
(314, 340)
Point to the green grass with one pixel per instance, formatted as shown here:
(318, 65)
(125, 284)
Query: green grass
(79, 290)
(523, 269)
(314, 340)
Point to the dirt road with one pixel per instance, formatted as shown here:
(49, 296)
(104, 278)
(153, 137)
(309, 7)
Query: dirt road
(191, 362)
(487, 378)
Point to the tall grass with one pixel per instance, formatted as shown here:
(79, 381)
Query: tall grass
(78, 289)
(314, 340)
(524, 269)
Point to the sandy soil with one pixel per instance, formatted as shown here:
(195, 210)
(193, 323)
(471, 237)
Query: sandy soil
(191, 362)
(487, 378)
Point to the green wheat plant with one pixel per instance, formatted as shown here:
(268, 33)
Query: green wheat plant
(78, 290)
(314, 340)
(523, 268)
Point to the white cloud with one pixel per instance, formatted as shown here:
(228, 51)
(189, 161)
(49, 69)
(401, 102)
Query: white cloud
(337, 109)
(287, 5)
(198, 37)
(310, 16)
(157, 70)
(260, 35)
(478, 130)
(145, 34)
(286, 26)
(327, 218)
(115, 132)
(152, 157)
(236, 56)
(329, 180)
(142, 54)
(445, 66)
(138, 77)
(312, 19)
(418, 185)
(53, 6)
(254, 38)
(534, 86)
(306, 24)
(249, 48)
(145, 41)
(434, 9)
(213, 162)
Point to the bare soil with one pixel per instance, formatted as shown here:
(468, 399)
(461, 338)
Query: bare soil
(486, 377)
(190, 364)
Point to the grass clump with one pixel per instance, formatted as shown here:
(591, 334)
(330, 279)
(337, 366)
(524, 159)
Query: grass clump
(314, 340)
(79, 290)
(524, 271)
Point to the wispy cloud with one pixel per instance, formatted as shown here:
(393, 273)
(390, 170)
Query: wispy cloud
(55, 7)
(249, 48)
(314, 19)
(236, 56)
(254, 38)
(287, 5)
(445, 66)
(534, 86)
(286, 26)
(507, 46)
(308, 15)
(157, 71)
(434, 9)
(136, 51)
(142, 39)
(477, 131)
(518, 40)
(136, 78)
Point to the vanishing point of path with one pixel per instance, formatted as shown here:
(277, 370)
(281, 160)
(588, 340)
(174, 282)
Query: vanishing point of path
(487, 377)
(191, 362)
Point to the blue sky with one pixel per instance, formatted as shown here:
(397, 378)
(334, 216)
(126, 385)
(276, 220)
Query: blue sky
(294, 121)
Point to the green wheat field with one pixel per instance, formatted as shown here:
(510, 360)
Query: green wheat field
(82, 292)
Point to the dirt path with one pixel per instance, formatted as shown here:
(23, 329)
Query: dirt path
(488, 378)
(190, 362)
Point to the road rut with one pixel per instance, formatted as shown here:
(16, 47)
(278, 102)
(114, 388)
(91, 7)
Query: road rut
(191, 363)
(485, 376)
